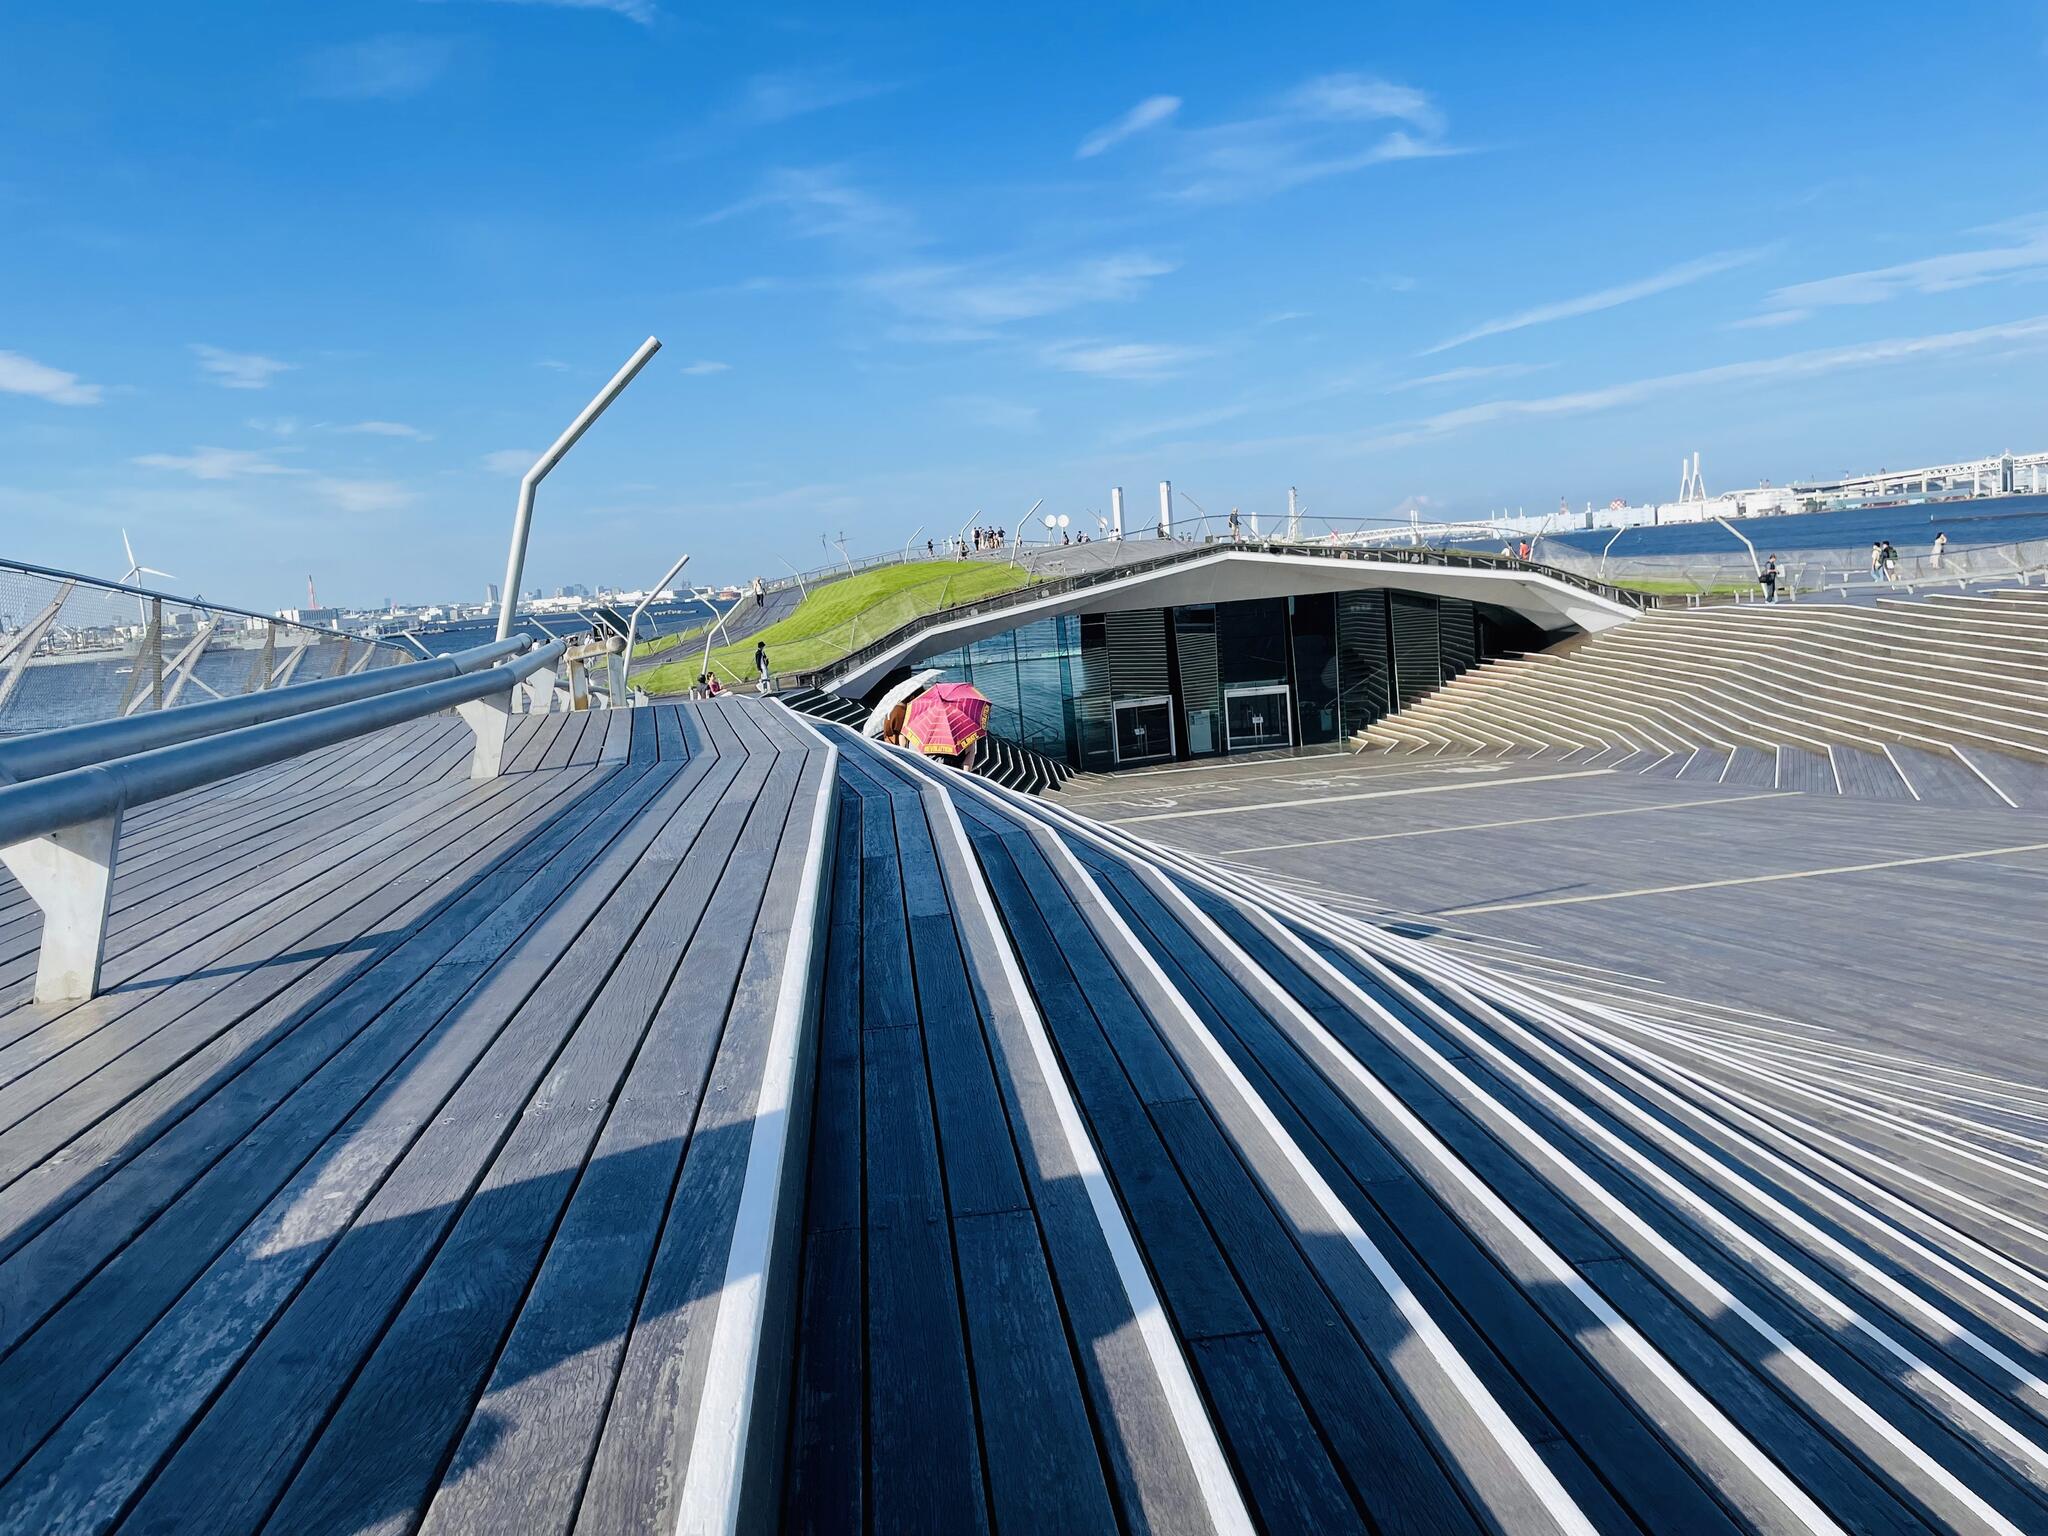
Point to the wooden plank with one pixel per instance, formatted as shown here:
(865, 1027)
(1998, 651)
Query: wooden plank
(234, 1460)
(493, 977)
(383, 1450)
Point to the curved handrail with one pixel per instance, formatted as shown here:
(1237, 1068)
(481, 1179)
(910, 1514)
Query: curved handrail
(78, 795)
(1038, 592)
(75, 746)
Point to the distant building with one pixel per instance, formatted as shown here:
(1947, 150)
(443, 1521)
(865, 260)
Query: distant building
(572, 589)
(321, 618)
(491, 594)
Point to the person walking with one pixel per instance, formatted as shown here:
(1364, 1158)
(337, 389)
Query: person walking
(1768, 576)
(1235, 527)
(761, 662)
(1940, 549)
(929, 549)
(1890, 557)
(1877, 559)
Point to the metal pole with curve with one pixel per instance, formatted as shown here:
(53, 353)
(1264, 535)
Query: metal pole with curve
(620, 677)
(522, 522)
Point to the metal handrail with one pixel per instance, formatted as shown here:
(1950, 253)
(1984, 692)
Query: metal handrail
(1038, 592)
(75, 746)
(46, 805)
(204, 604)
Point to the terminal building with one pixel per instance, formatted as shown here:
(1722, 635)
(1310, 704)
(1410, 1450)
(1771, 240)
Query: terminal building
(1237, 650)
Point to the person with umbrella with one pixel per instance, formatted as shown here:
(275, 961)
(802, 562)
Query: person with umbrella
(947, 720)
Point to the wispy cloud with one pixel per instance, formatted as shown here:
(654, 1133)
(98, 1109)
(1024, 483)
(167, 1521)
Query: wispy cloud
(21, 375)
(1329, 126)
(510, 461)
(780, 95)
(2028, 335)
(822, 203)
(218, 464)
(1933, 274)
(388, 67)
(645, 12)
(386, 429)
(1686, 272)
(363, 496)
(961, 303)
(238, 370)
(1135, 360)
(1001, 415)
(1468, 375)
(1149, 113)
(706, 365)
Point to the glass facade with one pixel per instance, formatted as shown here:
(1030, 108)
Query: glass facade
(1154, 685)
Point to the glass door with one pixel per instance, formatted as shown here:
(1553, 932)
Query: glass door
(1144, 729)
(1255, 717)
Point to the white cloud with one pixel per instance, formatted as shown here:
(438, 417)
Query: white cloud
(509, 461)
(218, 463)
(1001, 415)
(780, 95)
(965, 303)
(706, 365)
(274, 426)
(645, 12)
(1468, 375)
(378, 68)
(1312, 133)
(387, 429)
(363, 496)
(1149, 113)
(1138, 360)
(1606, 298)
(238, 370)
(2027, 335)
(1933, 274)
(821, 203)
(1363, 99)
(21, 375)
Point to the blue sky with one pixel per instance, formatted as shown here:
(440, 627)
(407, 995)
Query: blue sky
(292, 289)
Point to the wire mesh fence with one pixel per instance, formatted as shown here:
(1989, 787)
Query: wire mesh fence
(74, 649)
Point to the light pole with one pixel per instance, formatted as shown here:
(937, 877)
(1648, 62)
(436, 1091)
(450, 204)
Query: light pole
(522, 522)
(911, 540)
(802, 590)
(619, 678)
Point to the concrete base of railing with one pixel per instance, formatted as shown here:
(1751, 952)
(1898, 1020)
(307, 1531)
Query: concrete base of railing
(70, 875)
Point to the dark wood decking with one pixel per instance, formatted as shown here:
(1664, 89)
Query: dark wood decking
(423, 1168)
(392, 1180)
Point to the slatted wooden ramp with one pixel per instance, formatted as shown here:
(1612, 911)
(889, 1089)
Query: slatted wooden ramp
(1434, 1250)
(418, 1168)
(723, 1124)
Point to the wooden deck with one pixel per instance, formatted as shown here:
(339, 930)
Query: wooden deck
(716, 1124)
(393, 1181)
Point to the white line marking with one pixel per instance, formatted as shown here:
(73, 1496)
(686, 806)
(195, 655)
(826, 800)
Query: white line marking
(1374, 794)
(1227, 1512)
(1492, 826)
(710, 1500)
(1521, 1455)
(1714, 885)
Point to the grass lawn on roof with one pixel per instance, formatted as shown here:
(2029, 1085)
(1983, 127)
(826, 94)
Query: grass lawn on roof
(844, 615)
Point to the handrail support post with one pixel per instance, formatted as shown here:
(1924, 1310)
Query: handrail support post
(489, 719)
(69, 873)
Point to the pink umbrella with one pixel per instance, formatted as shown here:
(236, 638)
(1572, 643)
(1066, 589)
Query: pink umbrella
(946, 719)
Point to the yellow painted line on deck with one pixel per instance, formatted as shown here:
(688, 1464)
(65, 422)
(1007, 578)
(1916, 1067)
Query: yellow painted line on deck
(1715, 885)
(1371, 794)
(1491, 826)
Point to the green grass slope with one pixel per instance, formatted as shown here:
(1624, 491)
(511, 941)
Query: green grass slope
(842, 617)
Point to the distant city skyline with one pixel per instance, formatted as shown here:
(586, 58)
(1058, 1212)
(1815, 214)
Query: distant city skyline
(306, 289)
